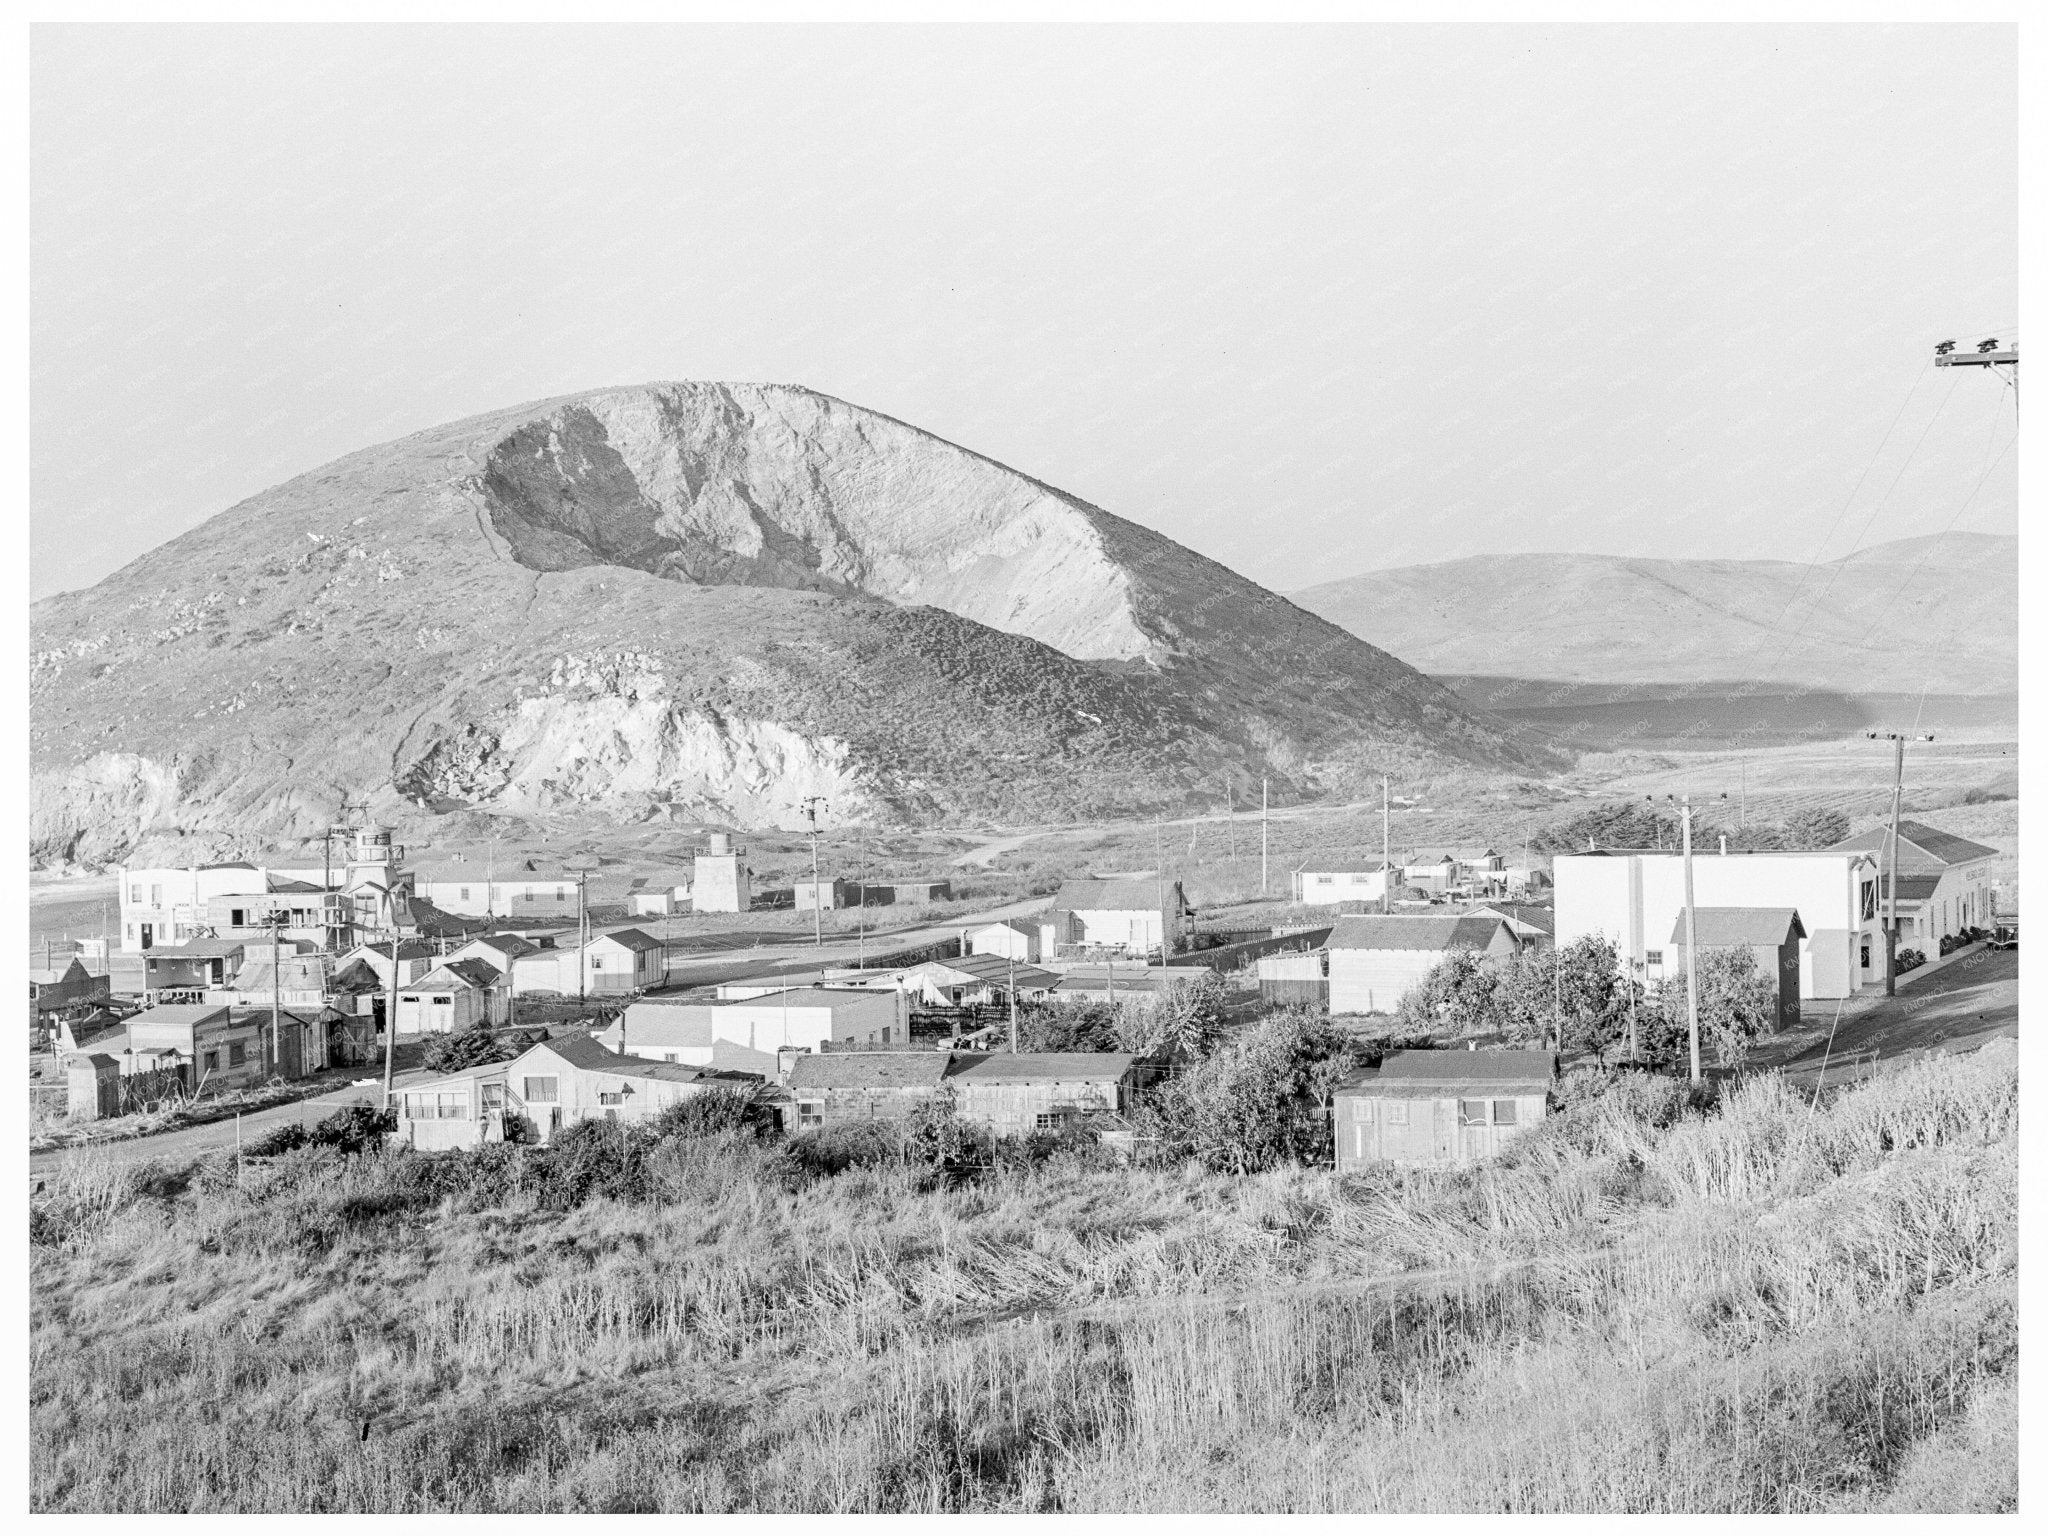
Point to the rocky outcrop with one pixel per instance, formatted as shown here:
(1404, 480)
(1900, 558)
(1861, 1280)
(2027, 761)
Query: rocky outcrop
(691, 599)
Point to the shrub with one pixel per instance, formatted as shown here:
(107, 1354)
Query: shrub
(715, 1112)
(1257, 1102)
(476, 1047)
(1738, 1005)
(590, 1160)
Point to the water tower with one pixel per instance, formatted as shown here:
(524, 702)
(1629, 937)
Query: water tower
(723, 882)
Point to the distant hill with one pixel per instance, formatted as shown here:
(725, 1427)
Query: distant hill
(1939, 614)
(697, 602)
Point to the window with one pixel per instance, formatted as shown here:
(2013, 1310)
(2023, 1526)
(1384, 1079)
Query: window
(453, 1106)
(615, 1097)
(1361, 1109)
(1503, 1111)
(1047, 1122)
(131, 930)
(444, 1000)
(561, 895)
(539, 1090)
(597, 962)
(465, 894)
(1471, 1111)
(810, 1114)
(1397, 1111)
(135, 895)
(212, 1061)
(1865, 961)
(1870, 898)
(1653, 957)
(237, 1054)
(156, 895)
(238, 917)
(668, 1055)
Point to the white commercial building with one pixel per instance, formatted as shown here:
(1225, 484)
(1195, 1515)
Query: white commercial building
(753, 1034)
(1635, 897)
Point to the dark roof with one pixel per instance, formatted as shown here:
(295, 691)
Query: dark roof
(994, 968)
(1911, 887)
(1136, 978)
(867, 1069)
(1043, 1067)
(1446, 931)
(1942, 847)
(280, 885)
(179, 1013)
(471, 972)
(1725, 927)
(1115, 895)
(632, 938)
(198, 949)
(1532, 913)
(1413, 1071)
(408, 949)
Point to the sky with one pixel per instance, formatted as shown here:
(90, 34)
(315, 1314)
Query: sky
(1313, 301)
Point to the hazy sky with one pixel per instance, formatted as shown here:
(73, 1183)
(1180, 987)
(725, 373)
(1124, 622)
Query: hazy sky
(1309, 300)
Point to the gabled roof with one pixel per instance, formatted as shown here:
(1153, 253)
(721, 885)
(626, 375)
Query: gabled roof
(509, 945)
(51, 978)
(1116, 895)
(1492, 1071)
(1726, 927)
(1042, 1067)
(1014, 924)
(867, 1069)
(283, 885)
(466, 973)
(989, 968)
(1446, 931)
(300, 971)
(1942, 847)
(806, 997)
(1911, 887)
(1539, 917)
(1133, 978)
(408, 949)
(631, 938)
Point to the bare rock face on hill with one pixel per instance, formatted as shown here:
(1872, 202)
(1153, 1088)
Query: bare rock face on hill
(696, 601)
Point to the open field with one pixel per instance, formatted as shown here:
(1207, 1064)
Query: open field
(1756, 1308)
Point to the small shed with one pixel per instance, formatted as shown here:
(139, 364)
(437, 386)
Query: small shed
(848, 1087)
(1286, 980)
(1772, 936)
(1016, 1094)
(1375, 960)
(824, 894)
(1440, 1108)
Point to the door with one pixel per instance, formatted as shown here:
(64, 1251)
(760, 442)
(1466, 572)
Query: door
(148, 934)
(1444, 1148)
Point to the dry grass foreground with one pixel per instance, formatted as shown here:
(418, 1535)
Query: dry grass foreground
(1764, 1307)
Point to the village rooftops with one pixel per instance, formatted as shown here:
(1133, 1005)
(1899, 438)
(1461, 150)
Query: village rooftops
(632, 938)
(993, 968)
(182, 1015)
(1942, 847)
(1731, 927)
(1911, 887)
(800, 997)
(1425, 1074)
(1444, 931)
(867, 1069)
(1043, 1067)
(474, 973)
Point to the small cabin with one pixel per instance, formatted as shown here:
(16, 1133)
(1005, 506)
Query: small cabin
(1421, 1109)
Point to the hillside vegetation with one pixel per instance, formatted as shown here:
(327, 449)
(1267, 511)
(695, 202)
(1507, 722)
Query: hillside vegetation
(696, 602)
(1762, 1305)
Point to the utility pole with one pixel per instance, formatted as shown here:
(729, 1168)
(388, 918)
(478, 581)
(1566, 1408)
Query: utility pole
(1386, 850)
(1989, 354)
(276, 989)
(1013, 1003)
(1264, 842)
(1891, 856)
(1692, 954)
(391, 1005)
(811, 804)
(1159, 887)
(582, 932)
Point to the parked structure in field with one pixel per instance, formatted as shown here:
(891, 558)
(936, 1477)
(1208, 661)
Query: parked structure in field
(1438, 1108)
(722, 881)
(1634, 897)
(1014, 938)
(1009, 1094)
(551, 1086)
(624, 960)
(824, 895)
(1137, 916)
(1376, 959)
(1329, 888)
(1945, 882)
(1768, 935)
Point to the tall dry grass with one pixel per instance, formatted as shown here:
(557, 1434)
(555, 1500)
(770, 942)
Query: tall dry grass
(1772, 1306)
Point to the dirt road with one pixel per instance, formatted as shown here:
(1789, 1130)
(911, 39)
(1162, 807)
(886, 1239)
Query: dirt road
(1955, 1008)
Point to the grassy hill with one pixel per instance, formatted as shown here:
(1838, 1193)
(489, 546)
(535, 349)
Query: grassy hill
(1937, 614)
(1754, 1307)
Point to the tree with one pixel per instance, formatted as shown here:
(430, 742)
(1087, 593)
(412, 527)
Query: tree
(1188, 1021)
(477, 1046)
(1456, 994)
(1254, 1103)
(1738, 1006)
(1068, 1026)
(1575, 995)
(1815, 828)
